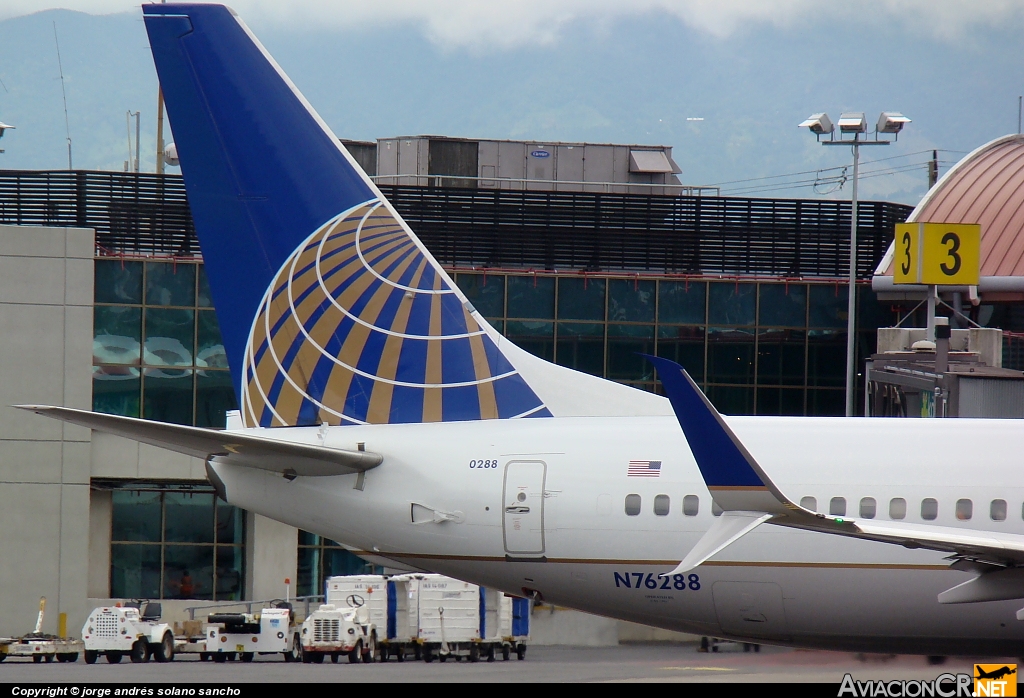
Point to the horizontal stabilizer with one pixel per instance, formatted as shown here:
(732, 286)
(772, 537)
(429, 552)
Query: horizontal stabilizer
(241, 449)
(726, 529)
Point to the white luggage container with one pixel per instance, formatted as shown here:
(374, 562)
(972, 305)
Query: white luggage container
(449, 617)
(367, 591)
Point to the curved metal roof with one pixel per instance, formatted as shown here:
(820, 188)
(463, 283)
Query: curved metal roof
(986, 187)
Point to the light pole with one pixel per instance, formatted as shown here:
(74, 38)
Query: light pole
(853, 124)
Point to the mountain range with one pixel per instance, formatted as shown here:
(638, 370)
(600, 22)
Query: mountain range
(729, 105)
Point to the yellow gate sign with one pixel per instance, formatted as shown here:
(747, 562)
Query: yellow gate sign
(940, 254)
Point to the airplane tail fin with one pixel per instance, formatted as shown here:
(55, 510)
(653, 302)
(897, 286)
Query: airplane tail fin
(331, 309)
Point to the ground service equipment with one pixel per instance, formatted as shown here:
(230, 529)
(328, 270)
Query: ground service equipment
(268, 631)
(433, 616)
(40, 646)
(114, 631)
(334, 631)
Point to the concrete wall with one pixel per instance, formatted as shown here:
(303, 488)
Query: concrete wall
(46, 296)
(271, 549)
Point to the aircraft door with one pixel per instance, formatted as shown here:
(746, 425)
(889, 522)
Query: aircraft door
(523, 499)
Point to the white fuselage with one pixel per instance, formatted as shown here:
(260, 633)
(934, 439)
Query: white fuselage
(570, 539)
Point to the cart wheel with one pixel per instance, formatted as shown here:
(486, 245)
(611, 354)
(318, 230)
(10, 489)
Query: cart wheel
(356, 655)
(91, 656)
(334, 657)
(231, 656)
(71, 657)
(520, 651)
(114, 657)
(417, 652)
(3, 656)
(318, 657)
(204, 656)
(384, 654)
(37, 658)
(757, 648)
(140, 652)
(164, 651)
(295, 653)
(220, 657)
(442, 657)
(490, 653)
(474, 653)
(427, 655)
(505, 653)
(369, 654)
(248, 656)
(400, 654)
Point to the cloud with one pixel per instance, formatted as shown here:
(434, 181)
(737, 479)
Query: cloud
(483, 24)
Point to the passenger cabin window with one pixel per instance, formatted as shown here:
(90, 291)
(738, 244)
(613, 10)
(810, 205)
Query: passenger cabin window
(929, 509)
(715, 509)
(867, 508)
(837, 506)
(897, 508)
(662, 505)
(964, 509)
(691, 505)
(997, 510)
(632, 505)
(809, 503)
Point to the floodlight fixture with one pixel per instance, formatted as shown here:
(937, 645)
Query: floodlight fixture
(853, 122)
(171, 155)
(891, 122)
(818, 124)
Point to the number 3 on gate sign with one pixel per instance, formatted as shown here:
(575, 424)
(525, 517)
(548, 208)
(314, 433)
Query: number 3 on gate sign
(943, 254)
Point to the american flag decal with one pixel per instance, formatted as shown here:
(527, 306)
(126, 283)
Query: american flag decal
(644, 468)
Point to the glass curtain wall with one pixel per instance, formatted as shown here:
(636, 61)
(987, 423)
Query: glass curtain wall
(754, 347)
(321, 558)
(157, 350)
(176, 543)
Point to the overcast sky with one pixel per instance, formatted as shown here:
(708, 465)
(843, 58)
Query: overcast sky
(491, 25)
(722, 81)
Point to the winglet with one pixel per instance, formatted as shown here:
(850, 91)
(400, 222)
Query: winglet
(734, 478)
(729, 527)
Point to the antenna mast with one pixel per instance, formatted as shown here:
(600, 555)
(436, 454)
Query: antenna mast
(67, 125)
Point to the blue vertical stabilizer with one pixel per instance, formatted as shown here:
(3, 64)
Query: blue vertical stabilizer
(330, 308)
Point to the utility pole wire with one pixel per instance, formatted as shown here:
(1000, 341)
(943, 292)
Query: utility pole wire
(60, 66)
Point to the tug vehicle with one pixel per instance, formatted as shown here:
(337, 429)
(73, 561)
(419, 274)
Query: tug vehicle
(268, 631)
(115, 631)
(337, 630)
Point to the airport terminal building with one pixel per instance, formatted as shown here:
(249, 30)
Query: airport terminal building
(585, 256)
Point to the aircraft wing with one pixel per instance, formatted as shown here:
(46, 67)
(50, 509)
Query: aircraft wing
(241, 449)
(745, 492)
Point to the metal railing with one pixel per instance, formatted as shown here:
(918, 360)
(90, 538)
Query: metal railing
(524, 183)
(249, 605)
